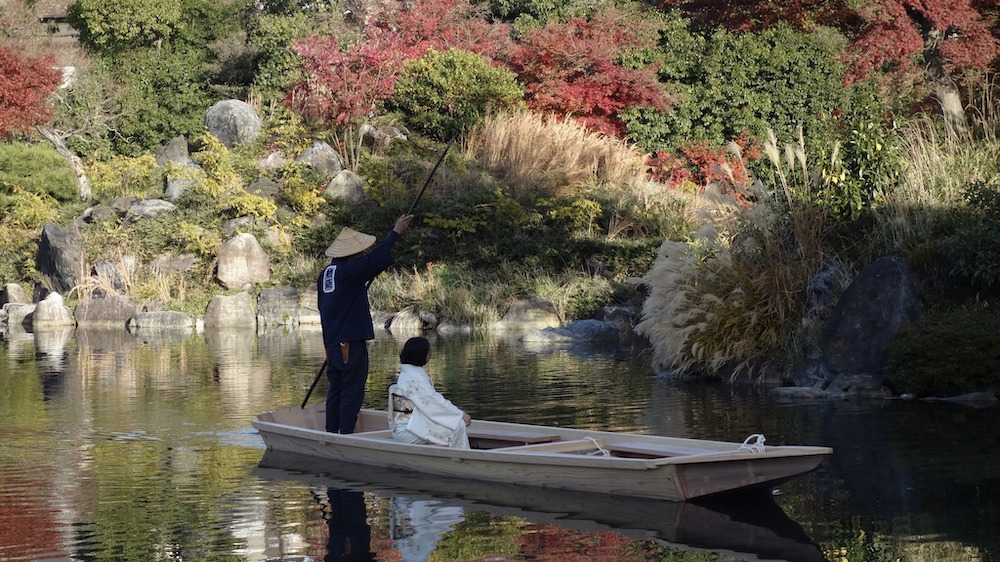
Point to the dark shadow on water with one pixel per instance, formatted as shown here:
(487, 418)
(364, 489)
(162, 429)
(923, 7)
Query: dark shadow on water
(746, 527)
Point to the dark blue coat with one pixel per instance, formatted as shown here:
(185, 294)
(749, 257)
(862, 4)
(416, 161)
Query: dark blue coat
(342, 294)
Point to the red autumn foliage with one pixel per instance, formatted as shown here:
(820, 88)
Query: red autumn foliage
(702, 164)
(896, 34)
(451, 24)
(25, 84)
(573, 69)
(342, 87)
(894, 37)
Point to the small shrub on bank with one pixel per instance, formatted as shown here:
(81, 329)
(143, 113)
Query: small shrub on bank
(38, 169)
(946, 353)
(443, 94)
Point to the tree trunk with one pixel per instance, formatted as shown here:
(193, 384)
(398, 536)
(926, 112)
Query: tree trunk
(945, 89)
(74, 162)
(952, 109)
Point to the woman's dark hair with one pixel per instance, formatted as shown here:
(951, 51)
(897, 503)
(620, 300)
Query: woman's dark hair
(415, 352)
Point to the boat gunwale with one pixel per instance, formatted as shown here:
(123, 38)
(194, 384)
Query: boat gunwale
(519, 455)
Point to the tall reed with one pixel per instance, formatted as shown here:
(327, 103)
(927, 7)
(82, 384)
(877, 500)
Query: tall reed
(529, 151)
(731, 298)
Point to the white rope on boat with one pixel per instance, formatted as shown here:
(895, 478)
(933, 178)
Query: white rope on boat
(756, 447)
(600, 450)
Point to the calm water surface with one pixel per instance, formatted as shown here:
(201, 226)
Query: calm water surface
(115, 447)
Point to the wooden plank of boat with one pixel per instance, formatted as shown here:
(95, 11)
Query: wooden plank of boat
(574, 459)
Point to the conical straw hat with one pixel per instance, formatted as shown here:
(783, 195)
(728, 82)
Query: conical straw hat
(349, 242)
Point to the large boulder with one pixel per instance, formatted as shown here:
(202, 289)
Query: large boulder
(528, 314)
(322, 158)
(308, 307)
(231, 311)
(278, 307)
(161, 321)
(61, 257)
(52, 312)
(880, 299)
(12, 292)
(110, 312)
(149, 208)
(242, 262)
(348, 187)
(233, 122)
(19, 315)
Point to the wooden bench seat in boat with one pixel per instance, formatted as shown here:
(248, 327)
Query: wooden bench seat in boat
(569, 446)
(655, 450)
(481, 438)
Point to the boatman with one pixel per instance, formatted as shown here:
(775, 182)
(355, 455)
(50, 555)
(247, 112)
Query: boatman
(342, 298)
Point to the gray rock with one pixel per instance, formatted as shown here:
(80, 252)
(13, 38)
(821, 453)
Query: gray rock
(348, 187)
(19, 315)
(233, 122)
(265, 187)
(12, 292)
(149, 208)
(449, 327)
(52, 312)
(322, 158)
(382, 135)
(167, 264)
(308, 310)
(528, 314)
(278, 307)
(181, 177)
(231, 311)
(61, 257)
(406, 323)
(160, 321)
(175, 151)
(273, 161)
(880, 299)
(242, 262)
(110, 312)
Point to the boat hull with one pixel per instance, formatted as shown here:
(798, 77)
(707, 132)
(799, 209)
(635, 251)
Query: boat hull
(569, 461)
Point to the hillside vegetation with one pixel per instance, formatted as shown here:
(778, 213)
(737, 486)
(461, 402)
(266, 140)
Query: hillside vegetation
(722, 155)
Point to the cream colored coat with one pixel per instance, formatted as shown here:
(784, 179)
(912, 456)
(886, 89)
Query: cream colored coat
(434, 418)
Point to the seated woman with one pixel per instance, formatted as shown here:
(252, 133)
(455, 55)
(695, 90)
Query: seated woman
(419, 413)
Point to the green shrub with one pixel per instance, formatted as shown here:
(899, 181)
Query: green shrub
(727, 82)
(946, 353)
(124, 175)
(974, 248)
(27, 210)
(164, 93)
(38, 169)
(443, 94)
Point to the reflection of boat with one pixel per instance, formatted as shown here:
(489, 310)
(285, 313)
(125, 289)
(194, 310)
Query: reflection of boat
(574, 459)
(748, 530)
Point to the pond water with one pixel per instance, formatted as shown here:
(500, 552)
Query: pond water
(116, 447)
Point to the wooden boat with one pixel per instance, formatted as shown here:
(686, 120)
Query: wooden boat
(622, 464)
(743, 530)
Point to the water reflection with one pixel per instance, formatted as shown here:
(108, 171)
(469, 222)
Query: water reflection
(350, 536)
(94, 422)
(416, 525)
(423, 510)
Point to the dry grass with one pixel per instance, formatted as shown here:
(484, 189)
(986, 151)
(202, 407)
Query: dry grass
(937, 168)
(530, 151)
(732, 297)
